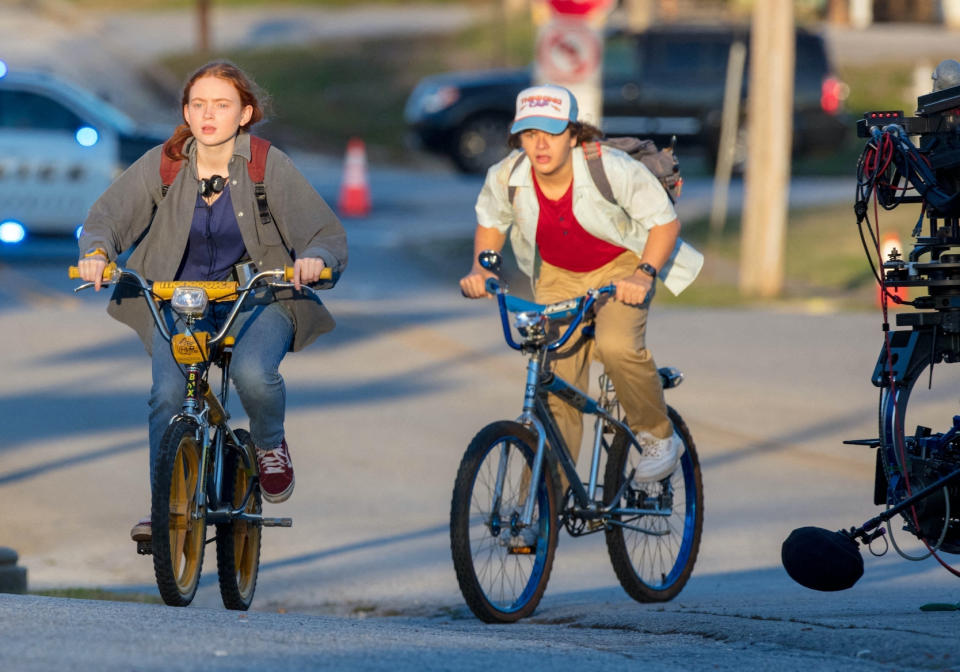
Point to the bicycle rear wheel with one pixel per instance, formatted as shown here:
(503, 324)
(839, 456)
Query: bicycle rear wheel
(653, 555)
(178, 519)
(502, 580)
(238, 542)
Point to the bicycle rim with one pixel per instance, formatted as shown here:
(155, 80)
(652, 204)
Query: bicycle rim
(238, 542)
(178, 536)
(500, 584)
(653, 556)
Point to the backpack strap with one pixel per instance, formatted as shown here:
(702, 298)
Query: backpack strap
(257, 168)
(168, 172)
(592, 152)
(512, 191)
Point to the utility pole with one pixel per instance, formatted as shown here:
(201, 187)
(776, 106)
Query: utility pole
(769, 140)
(203, 26)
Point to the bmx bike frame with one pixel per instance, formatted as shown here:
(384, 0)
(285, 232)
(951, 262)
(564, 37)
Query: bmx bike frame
(536, 415)
(201, 405)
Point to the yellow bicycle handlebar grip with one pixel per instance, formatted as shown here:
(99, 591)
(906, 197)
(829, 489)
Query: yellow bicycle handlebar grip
(74, 272)
(325, 274)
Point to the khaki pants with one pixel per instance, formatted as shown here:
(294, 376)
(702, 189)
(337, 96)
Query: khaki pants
(619, 344)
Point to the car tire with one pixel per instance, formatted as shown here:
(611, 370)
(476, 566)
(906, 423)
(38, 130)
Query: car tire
(480, 142)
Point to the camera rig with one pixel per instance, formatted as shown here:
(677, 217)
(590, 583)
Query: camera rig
(917, 474)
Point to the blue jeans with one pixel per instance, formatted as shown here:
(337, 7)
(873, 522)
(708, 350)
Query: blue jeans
(263, 336)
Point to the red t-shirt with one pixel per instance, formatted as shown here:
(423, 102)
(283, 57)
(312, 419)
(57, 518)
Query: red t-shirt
(563, 242)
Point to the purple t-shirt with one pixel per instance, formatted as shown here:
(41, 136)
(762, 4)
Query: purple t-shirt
(215, 243)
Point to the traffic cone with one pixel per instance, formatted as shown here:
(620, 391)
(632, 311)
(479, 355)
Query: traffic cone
(888, 244)
(355, 190)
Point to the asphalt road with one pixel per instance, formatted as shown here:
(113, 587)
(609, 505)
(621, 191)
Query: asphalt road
(379, 413)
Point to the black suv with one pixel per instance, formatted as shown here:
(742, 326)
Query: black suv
(666, 81)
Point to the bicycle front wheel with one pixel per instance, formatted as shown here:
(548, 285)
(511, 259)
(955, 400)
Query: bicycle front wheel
(238, 542)
(179, 520)
(502, 568)
(653, 554)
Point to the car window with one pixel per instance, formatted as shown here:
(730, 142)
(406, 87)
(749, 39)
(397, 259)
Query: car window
(811, 58)
(700, 57)
(621, 58)
(27, 110)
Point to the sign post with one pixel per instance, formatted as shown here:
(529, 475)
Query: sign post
(569, 50)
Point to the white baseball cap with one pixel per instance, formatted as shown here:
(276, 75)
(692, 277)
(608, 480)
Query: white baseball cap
(547, 108)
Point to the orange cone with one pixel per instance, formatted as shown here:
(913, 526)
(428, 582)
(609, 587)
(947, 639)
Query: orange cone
(355, 190)
(890, 242)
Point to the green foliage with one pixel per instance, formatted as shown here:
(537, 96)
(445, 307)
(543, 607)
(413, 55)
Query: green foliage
(323, 94)
(825, 263)
(180, 4)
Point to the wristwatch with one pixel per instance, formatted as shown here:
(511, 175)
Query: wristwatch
(648, 269)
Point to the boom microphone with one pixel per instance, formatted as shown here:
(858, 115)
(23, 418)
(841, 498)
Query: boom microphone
(820, 559)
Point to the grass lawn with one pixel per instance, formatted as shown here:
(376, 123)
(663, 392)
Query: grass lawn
(324, 94)
(98, 594)
(825, 265)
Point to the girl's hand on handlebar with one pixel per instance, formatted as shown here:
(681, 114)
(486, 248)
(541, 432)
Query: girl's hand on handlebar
(91, 270)
(634, 289)
(306, 271)
(473, 285)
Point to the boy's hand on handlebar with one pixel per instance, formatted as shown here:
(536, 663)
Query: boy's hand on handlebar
(473, 285)
(634, 289)
(91, 270)
(306, 271)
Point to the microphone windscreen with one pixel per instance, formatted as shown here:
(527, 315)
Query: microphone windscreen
(820, 559)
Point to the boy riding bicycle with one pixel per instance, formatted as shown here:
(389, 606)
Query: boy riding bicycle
(569, 238)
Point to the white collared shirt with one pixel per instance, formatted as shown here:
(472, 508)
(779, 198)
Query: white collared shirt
(641, 205)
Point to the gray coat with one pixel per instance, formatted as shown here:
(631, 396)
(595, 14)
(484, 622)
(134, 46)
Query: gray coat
(133, 207)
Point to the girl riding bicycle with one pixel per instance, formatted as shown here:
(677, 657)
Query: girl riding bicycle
(210, 222)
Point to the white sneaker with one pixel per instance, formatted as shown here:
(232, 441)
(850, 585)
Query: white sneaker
(660, 456)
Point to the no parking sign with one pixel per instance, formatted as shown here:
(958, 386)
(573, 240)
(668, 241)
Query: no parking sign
(578, 7)
(569, 51)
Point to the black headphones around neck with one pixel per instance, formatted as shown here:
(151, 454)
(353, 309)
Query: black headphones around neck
(212, 186)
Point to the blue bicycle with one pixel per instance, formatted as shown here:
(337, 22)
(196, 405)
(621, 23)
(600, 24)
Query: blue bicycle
(506, 509)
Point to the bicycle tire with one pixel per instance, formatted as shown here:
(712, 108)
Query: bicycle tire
(654, 565)
(498, 585)
(238, 542)
(178, 539)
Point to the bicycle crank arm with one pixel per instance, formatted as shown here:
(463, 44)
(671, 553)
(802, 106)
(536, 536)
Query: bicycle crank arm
(642, 530)
(617, 511)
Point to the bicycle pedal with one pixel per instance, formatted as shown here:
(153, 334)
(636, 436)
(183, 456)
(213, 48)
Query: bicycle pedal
(277, 522)
(521, 550)
(145, 548)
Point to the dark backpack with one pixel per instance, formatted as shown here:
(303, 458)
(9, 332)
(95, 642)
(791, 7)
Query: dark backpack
(661, 162)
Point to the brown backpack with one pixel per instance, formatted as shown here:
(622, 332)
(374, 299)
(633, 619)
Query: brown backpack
(662, 163)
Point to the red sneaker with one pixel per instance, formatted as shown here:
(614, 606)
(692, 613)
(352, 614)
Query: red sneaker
(276, 473)
(143, 530)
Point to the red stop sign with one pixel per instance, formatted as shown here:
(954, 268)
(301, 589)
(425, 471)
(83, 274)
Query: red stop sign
(578, 6)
